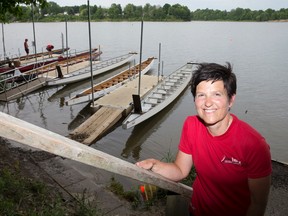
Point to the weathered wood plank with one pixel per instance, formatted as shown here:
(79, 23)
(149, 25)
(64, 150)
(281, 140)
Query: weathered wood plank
(97, 124)
(85, 125)
(36, 137)
(113, 115)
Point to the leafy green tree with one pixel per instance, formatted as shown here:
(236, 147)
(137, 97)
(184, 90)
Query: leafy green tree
(53, 9)
(129, 11)
(158, 14)
(166, 8)
(282, 14)
(115, 11)
(99, 14)
(21, 10)
(148, 10)
(180, 12)
(14, 7)
(76, 10)
(70, 11)
(93, 9)
(84, 12)
(139, 12)
(236, 14)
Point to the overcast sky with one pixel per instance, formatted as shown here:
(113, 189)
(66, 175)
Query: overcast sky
(191, 4)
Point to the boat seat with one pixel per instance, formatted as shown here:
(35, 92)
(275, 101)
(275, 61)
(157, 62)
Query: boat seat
(156, 96)
(151, 101)
(185, 72)
(161, 91)
(169, 83)
(146, 107)
(164, 87)
(152, 104)
(173, 80)
(179, 77)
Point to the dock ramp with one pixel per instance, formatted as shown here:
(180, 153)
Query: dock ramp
(97, 124)
(111, 108)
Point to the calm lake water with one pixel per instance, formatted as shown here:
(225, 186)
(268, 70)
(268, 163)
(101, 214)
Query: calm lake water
(257, 51)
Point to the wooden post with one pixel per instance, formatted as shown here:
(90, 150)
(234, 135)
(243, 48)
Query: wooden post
(34, 136)
(177, 205)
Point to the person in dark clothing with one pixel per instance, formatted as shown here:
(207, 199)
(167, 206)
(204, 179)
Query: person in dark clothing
(26, 47)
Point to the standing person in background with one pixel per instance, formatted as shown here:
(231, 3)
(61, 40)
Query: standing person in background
(232, 160)
(26, 47)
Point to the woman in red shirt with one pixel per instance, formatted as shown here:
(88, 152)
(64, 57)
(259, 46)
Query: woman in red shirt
(232, 160)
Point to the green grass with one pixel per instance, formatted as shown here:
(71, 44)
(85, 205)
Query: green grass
(23, 196)
(134, 195)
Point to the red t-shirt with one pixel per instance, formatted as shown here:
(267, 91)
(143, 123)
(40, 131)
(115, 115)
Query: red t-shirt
(223, 165)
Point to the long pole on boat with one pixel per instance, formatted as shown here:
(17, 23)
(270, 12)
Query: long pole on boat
(3, 40)
(90, 49)
(66, 32)
(159, 61)
(34, 33)
(141, 41)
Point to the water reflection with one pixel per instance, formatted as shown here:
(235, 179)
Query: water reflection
(32, 102)
(67, 90)
(41, 107)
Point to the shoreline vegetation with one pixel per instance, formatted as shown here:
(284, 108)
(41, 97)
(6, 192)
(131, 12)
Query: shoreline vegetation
(52, 12)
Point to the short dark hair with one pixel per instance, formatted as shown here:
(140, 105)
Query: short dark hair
(214, 72)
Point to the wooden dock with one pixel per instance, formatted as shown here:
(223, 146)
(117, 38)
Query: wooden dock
(111, 108)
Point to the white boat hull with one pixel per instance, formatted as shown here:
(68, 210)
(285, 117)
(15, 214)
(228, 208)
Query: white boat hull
(161, 96)
(85, 73)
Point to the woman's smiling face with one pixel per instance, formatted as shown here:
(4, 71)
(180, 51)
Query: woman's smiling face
(213, 104)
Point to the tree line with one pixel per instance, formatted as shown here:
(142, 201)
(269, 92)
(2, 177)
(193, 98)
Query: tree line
(51, 11)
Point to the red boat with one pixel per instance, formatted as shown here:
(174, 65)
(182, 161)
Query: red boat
(81, 56)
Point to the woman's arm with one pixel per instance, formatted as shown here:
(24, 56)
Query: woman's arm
(259, 189)
(175, 171)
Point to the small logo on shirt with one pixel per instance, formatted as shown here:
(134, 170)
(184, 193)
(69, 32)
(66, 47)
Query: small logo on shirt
(230, 160)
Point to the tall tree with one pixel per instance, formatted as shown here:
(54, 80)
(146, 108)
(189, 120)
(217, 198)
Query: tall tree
(115, 11)
(129, 11)
(14, 7)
